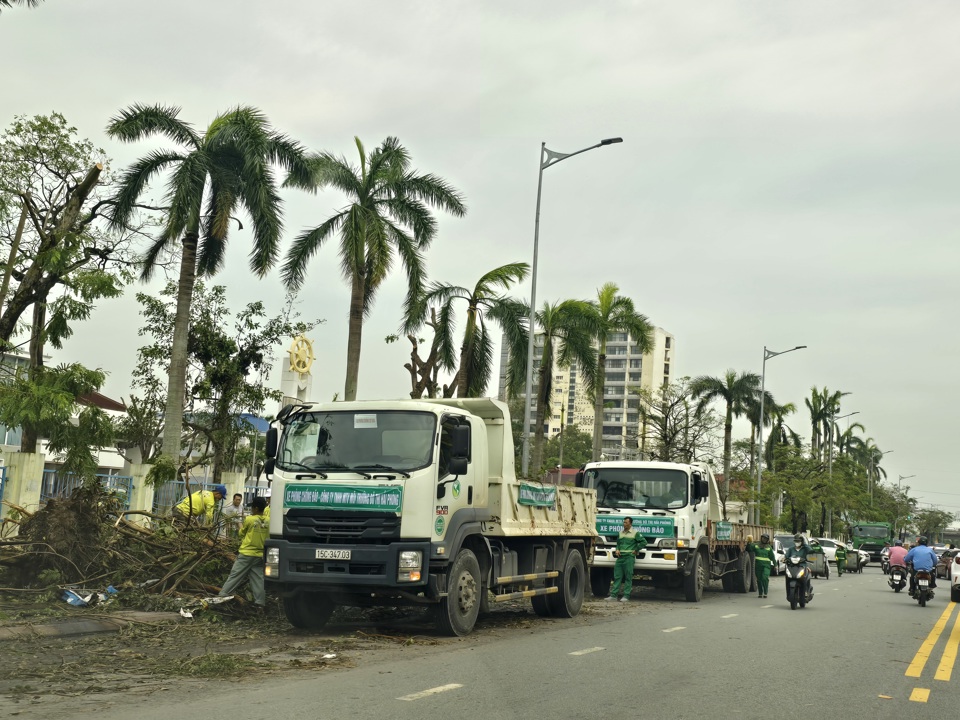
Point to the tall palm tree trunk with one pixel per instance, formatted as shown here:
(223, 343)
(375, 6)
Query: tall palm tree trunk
(177, 375)
(727, 454)
(598, 401)
(354, 336)
(466, 353)
(541, 416)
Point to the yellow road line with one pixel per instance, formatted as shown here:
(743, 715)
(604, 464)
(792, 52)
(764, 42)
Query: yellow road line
(923, 654)
(919, 695)
(949, 659)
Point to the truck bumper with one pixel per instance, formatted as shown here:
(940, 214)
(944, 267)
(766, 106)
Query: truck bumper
(650, 559)
(370, 567)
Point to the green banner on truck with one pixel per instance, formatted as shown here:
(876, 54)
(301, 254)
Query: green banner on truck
(649, 527)
(343, 497)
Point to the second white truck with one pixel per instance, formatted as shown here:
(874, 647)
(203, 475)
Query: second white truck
(677, 508)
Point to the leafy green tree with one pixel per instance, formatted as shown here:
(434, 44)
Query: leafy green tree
(213, 174)
(49, 403)
(577, 448)
(12, 3)
(674, 427)
(228, 361)
(475, 364)
(735, 391)
(613, 313)
(387, 216)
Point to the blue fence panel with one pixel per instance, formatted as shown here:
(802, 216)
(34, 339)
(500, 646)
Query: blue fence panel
(3, 482)
(166, 496)
(59, 485)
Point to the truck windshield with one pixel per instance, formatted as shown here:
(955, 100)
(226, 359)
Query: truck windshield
(396, 440)
(638, 487)
(862, 531)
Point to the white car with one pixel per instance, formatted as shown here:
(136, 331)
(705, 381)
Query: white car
(780, 566)
(829, 548)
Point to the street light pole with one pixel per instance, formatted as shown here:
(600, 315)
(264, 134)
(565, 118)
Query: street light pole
(767, 354)
(833, 422)
(871, 470)
(900, 480)
(548, 158)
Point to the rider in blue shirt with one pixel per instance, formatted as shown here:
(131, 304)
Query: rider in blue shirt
(921, 557)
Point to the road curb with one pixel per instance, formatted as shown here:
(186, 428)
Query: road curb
(79, 626)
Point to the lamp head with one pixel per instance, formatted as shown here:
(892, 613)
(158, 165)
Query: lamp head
(611, 141)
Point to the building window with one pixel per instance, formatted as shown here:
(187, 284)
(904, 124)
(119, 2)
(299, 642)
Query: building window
(636, 363)
(666, 369)
(635, 350)
(613, 417)
(614, 404)
(617, 337)
(615, 377)
(667, 342)
(616, 364)
(634, 377)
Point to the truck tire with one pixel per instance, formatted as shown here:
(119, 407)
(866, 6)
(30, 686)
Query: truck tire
(569, 600)
(694, 583)
(743, 578)
(457, 612)
(600, 579)
(308, 610)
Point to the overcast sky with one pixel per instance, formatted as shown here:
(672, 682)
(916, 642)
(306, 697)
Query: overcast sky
(788, 174)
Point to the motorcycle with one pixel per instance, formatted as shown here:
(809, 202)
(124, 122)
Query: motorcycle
(923, 591)
(898, 578)
(799, 590)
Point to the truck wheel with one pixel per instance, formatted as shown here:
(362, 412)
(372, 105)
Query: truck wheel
(694, 583)
(600, 579)
(308, 610)
(569, 600)
(457, 612)
(743, 578)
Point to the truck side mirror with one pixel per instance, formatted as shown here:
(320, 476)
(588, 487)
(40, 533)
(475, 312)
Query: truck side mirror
(695, 488)
(457, 466)
(273, 438)
(460, 444)
(578, 480)
(267, 468)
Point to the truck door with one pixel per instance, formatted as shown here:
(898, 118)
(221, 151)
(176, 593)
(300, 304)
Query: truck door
(455, 472)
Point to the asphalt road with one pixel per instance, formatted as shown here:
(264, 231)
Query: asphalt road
(857, 651)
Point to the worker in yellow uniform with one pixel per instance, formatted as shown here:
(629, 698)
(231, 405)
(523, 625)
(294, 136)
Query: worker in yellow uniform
(201, 503)
(249, 563)
(629, 542)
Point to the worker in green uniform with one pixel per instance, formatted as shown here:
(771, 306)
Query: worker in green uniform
(841, 559)
(629, 542)
(764, 558)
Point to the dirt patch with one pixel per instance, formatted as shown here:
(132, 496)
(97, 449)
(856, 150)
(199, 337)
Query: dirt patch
(41, 674)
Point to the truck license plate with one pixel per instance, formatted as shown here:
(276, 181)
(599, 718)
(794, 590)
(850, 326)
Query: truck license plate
(333, 554)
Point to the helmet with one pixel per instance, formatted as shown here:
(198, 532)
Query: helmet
(798, 538)
(899, 543)
(922, 540)
(764, 538)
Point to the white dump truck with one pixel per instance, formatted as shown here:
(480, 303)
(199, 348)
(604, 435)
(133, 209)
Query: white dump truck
(677, 508)
(416, 502)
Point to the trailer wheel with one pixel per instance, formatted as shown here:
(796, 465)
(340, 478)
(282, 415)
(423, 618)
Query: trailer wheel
(600, 579)
(743, 578)
(457, 612)
(569, 600)
(308, 610)
(694, 583)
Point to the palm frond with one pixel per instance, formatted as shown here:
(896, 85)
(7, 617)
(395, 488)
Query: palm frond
(134, 181)
(304, 247)
(140, 121)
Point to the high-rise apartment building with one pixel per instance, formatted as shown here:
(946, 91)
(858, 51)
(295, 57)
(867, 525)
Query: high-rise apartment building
(627, 369)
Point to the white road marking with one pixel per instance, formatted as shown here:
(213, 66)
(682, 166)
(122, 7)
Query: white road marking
(727, 617)
(431, 691)
(587, 651)
(674, 629)
(766, 606)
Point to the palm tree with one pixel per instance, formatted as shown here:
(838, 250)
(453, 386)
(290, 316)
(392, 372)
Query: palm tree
(567, 338)
(476, 351)
(823, 405)
(227, 167)
(388, 215)
(613, 313)
(753, 416)
(780, 432)
(11, 3)
(736, 392)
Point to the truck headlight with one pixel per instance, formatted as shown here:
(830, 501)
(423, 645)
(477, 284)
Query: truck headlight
(409, 565)
(668, 543)
(271, 568)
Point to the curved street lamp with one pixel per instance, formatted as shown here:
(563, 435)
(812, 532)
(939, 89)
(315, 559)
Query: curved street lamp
(767, 354)
(548, 158)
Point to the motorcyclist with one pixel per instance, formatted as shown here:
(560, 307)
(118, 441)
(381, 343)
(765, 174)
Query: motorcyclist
(897, 554)
(921, 557)
(801, 549)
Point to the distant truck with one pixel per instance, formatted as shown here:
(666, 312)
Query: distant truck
(677, 508)
(415, 502)
(872, 537)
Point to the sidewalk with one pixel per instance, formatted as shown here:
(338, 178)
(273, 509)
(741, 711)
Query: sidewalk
(65, 627)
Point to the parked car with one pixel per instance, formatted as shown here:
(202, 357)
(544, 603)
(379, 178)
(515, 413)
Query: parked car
(780, 566)
(955, 579)
(829, 548)
(946, 564)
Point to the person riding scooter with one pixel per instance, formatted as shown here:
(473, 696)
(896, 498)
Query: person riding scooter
(897, 554)
(921, 557)
(801, 549)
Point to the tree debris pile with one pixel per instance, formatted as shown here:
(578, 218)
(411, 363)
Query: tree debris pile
(87, 540)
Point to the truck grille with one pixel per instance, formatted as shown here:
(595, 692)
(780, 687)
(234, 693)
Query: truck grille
(340, 527)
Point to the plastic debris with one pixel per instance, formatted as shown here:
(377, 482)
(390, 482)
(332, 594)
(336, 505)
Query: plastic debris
(83, 597)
